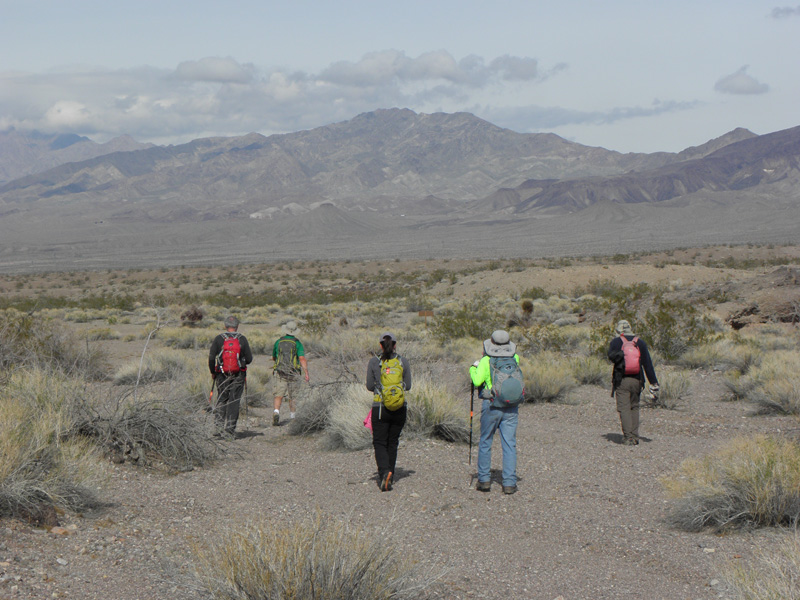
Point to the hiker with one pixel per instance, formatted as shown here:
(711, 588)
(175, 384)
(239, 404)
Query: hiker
(227, 360)
(497, 411)
(290, 360)
(389, 376)
(631, 363)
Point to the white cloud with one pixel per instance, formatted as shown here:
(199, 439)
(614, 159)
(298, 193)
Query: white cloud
(785, 12)
(740, 83)
(212, 69)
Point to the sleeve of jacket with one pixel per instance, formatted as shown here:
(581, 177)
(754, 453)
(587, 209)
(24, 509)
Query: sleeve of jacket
(406, 373)
(216, 347)
(246, 352)
(647, 363)
(615, 354)
(373, 373)
(480, 375)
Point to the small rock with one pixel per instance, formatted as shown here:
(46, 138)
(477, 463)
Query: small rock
(61, 561)
(59, 531)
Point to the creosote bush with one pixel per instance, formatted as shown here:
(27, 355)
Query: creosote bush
(751, 481)
(315, 559)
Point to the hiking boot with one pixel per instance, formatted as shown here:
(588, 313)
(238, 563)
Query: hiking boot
(509, 489)
(386, 482)
(483, 486)
(276, 419)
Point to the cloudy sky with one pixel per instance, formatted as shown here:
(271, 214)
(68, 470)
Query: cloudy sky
(625, 75)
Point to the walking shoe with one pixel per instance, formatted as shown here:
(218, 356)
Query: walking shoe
(276, 418)
(509, 489)
(386, 482)
(483, 486)
(630, 441)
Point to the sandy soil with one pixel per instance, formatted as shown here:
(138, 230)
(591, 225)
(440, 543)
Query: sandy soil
(588, 521)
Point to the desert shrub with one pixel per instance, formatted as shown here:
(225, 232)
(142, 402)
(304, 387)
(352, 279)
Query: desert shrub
(161, 365)
(460, 351)
(26, 341)
(313, 559)
(472, 319)
(724, 354)
(776, 576)
(434, 412)
(753, 481)
(773, 385)
(675, 385)
(315, 323)
(41, 465)
(343, 345)
(590, 370)
(149, 427)
(345, 423)
(673, 326)
(314, 409)
(541, 338)
(548, 377)
(189, 339)
(101, 333)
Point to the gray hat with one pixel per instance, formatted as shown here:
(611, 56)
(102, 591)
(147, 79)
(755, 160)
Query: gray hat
(623, 328)
(231, 321)
(499, 344)
(290, 328)
(390, 336)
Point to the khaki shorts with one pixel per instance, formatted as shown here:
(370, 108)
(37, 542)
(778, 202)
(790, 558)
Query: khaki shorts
(283, 387)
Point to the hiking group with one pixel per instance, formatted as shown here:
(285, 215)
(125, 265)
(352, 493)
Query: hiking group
(496, 376)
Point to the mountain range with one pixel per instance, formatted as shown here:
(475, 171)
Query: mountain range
(441, 184)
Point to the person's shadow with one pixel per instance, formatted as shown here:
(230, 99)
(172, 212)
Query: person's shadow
(240, 435)
(618, 438)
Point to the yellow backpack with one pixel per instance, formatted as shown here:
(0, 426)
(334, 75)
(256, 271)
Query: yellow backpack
(392, 393)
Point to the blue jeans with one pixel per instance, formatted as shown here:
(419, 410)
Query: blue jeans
(504, 419)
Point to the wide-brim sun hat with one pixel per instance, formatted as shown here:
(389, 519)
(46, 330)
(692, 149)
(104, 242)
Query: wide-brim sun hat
(499, 344)
(623, 328)
(290, 328)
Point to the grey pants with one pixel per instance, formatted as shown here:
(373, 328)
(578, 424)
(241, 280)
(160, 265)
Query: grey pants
(628, 394)
(229, 393)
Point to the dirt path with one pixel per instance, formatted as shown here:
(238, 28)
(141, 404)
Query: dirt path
(587, 522)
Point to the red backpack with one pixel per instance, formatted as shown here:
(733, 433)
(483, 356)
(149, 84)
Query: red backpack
(632, 354)
(228, 358)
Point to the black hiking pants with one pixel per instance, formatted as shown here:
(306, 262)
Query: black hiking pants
(229, 394)
(386, 428)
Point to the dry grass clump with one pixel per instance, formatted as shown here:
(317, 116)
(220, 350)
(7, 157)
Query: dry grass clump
(161, 365)
(590, 370)
(315, 559)
(345, 425)
(721, 354)
(753, 481)
(548, 377)
(777, 575)
(434, 412)
(41, 465)
(675, 386)
(773, 385)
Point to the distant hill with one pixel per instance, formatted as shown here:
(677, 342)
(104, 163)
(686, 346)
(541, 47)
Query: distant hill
(389, 183)
(25, 153)
(742, 165)
(393, 157)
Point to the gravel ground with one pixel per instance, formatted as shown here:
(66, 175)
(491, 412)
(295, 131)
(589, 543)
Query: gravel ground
(587, 522)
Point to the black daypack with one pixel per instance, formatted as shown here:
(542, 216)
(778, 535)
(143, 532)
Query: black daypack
(287, 362)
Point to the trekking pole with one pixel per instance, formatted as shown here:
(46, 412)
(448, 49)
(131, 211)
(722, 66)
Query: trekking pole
(471, 412)
(244, 398)
(211, 396)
